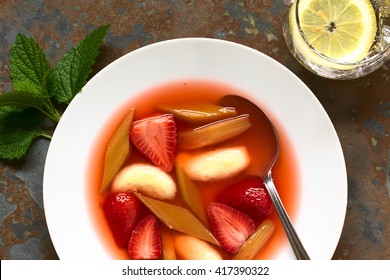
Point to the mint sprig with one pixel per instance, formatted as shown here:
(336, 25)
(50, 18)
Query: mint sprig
(38, 89)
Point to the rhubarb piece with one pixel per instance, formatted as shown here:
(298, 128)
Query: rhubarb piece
(230, 226)
(191, 248)
(213, 133)
(199, 112)
(147, 179)
(216, 164)
(156, 138)
(190, 194)
(118, 150)
(145, 240)
(177, 218)
(256, 241)
(168, 245)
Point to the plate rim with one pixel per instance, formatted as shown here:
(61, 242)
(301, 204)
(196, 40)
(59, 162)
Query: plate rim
(167, 43)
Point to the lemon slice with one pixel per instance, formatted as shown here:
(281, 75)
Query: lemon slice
(342, 30)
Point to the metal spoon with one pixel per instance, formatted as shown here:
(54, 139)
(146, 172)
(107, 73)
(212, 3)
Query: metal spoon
(269, 156)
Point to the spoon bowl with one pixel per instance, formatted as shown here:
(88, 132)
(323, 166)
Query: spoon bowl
(269, 139)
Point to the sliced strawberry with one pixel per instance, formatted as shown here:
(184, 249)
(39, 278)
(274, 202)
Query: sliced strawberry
(122, 212)
(230, 226)
(156, 138)
(248, 196)
(145, 241)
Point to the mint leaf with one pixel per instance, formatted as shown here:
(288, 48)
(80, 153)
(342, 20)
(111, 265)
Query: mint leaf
(28, 66)
(18, 128)
(22, 99)
(71, 73)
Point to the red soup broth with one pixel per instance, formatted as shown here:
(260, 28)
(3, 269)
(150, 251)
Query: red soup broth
(285, 171)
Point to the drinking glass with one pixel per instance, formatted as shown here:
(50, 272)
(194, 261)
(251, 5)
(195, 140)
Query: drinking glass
(327, 67)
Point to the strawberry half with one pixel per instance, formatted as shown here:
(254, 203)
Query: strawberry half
(230, 227)
(122, 212)
(248, 196)
(156, 138)
(145, 242)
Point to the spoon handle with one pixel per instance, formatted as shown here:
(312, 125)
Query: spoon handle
(292, 236)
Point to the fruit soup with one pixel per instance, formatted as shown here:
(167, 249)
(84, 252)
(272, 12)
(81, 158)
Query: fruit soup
(214, 193)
